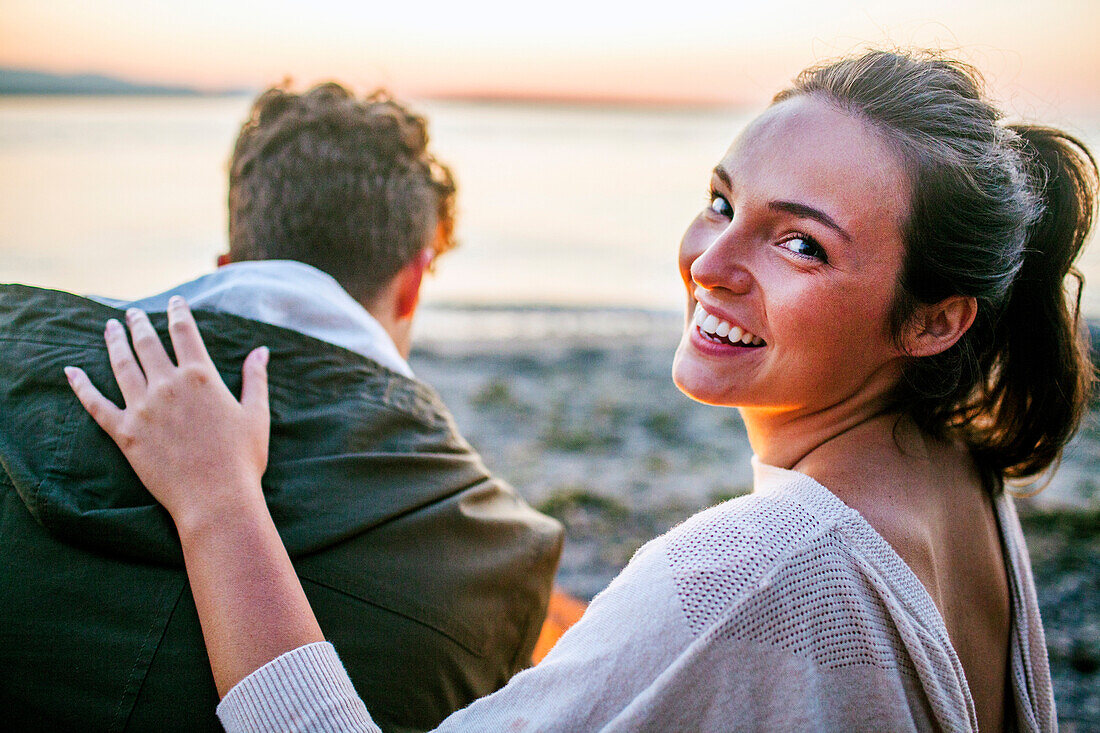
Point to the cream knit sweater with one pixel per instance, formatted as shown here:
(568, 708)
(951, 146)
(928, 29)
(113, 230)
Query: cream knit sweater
(781, 610)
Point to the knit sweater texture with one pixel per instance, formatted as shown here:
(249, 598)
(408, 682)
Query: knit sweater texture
(780, 610)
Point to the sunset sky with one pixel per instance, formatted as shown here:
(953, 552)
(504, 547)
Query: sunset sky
(1037, 55)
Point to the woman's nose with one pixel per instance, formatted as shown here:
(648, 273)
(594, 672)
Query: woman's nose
(722, 265)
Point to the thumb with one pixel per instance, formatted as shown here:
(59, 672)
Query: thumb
(254, 383)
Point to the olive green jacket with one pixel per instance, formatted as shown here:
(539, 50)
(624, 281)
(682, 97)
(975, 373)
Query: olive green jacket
(429, 575)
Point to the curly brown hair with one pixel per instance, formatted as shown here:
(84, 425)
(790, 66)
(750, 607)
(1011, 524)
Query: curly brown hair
(344, 184)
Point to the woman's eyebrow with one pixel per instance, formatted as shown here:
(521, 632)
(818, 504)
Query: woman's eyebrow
(790, 207)
(809, 212)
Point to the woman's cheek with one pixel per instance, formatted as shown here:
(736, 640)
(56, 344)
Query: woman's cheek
(693, 244)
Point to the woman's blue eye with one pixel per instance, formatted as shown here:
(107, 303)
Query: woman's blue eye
(720, 206)
(804, 246)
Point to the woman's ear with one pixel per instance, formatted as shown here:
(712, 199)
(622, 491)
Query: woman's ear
(936, 327)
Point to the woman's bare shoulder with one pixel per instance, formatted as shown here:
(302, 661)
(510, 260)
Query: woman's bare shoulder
(914, 491)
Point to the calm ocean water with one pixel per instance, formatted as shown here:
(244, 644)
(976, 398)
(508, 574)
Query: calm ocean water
(558, 206)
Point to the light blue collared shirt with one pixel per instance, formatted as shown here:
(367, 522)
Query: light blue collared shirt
(288, 294)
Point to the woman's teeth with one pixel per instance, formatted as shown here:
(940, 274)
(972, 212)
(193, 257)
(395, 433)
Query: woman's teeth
(714, 326)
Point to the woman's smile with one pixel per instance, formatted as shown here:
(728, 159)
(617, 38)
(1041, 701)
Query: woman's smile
(711, 334)
(716, 329)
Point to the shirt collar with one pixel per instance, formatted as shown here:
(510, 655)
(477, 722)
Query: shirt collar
(288, 294)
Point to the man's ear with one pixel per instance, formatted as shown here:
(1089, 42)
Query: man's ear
(408, 282)
(224, 259)
(936, 327)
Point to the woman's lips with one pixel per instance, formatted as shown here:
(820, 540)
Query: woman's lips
(715, 330)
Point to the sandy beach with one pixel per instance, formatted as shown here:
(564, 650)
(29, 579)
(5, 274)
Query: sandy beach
(577, 409)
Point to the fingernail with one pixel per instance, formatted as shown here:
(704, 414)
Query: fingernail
(113, 326)
(262, 355)
(132, 313)
(70, 373)
(176, 301)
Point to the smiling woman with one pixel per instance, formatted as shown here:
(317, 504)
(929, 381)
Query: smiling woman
(878, 284)
(800, 248)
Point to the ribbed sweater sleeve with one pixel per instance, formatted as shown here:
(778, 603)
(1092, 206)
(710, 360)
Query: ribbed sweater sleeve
(303, 691)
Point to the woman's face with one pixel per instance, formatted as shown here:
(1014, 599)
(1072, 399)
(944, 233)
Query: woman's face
(796, 257)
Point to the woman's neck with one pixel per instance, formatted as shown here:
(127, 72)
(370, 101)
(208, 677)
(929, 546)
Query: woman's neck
(784, 438)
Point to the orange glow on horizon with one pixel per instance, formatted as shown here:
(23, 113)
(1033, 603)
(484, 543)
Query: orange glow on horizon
(702, 52)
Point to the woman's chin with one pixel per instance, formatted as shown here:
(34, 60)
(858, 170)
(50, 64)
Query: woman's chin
(697, 380)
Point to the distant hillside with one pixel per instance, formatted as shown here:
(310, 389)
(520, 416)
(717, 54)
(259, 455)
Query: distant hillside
(25, 81)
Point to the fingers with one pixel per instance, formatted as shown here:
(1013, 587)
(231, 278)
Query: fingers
(186, 339)
(102, 410)
(150, 351)
(131, 380)
(254, 384)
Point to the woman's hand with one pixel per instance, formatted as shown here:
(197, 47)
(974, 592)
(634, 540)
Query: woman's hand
(201, 454)
(199, 451)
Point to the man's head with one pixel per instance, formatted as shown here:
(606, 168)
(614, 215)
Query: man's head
(344, 184)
